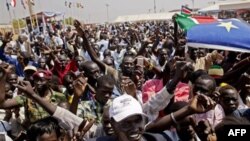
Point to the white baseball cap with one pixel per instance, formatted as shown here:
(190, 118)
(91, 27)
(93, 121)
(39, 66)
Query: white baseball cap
(123, 107)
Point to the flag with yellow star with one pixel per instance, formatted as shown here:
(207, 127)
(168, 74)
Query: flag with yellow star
(229, 34)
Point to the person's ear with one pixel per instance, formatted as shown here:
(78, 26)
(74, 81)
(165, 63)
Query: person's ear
(114, 125)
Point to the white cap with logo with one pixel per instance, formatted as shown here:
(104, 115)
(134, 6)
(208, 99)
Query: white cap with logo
(123, 107)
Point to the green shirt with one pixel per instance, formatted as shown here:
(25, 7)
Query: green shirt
(33, 111)
(91, 109)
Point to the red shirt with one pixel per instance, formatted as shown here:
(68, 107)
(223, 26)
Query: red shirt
(57, 70)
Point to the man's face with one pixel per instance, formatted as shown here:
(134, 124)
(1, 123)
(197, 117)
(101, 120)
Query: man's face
(42, 63)
(94, 71)
(21, 39)
(128, 66)
(203, 86)
(69, 83)
(163, 56)
(106, 122)
(103, 93)
(8, 91)
(193, 54)
(106, 53)
(200, 53)
(40, 83)
(79, 60)
(229, 101)
(12, 79)
(131, 128)
(63, 61)
(109, 62)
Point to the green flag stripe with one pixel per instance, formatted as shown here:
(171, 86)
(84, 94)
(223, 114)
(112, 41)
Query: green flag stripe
(185, 22)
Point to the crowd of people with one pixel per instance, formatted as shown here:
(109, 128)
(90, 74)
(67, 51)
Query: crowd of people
(119, 82)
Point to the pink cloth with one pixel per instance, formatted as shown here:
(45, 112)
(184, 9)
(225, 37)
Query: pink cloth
(150, 88)
(181, 92)
(214, 116)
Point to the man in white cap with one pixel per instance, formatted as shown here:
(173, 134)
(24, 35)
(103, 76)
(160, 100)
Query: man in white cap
(129, 121)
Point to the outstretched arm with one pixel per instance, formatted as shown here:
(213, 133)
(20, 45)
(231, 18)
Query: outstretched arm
(66, 119)
(199, 104)
(90, 50)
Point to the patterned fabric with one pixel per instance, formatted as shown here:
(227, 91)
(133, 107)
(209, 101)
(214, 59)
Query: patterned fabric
(181, 92)
(91, 109)
(34, 111)
(150, 88)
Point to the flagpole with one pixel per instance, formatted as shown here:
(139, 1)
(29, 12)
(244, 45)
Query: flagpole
(193, 5)
(37, 24)
(72, 13)
(24, 15)
(31, 14)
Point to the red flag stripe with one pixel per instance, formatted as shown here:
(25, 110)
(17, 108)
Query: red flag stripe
(204, 19)
(184, 10)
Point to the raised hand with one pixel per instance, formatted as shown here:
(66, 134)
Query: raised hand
(26, 87)
(79, 86)
(128, 86)
(4, 70)
(182, 67)
(201, 104)
(78, 27)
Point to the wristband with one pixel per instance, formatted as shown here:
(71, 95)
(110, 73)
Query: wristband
(173, 118)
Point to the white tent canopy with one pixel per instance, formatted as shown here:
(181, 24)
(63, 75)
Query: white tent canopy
(212, 8)
(236, 5)
(144, 17)
(233, 5)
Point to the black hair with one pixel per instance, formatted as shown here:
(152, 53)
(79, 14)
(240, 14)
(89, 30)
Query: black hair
(197, 74)
(53, 83)
(105, 79)
(69, 74)
(208, 77)
(41, 59)
(129, 54)
(84, 66)
(224, 88)
(43, 126)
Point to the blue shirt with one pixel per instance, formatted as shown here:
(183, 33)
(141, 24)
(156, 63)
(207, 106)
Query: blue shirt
(14, 61)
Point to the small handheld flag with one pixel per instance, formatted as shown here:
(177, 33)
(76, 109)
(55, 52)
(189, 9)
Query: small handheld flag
(186, 11)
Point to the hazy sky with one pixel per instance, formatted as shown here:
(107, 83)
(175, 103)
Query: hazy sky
(96, 10)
